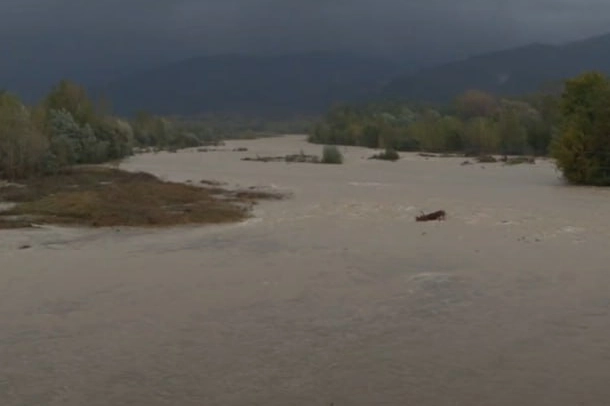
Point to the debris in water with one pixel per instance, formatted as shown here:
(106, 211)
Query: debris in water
(437, 215)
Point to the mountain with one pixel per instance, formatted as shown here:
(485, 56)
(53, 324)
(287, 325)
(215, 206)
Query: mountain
(31, 77)
(509, 72)
(279, 84)
(300, 83)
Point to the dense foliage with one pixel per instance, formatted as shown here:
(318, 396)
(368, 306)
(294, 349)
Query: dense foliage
(582, 151)
(67, 128)
(477, 123)
(331, 155)
(388, 154)
(573, 125)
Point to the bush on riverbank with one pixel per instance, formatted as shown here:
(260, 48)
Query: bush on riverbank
(331, 155)
(582, 150)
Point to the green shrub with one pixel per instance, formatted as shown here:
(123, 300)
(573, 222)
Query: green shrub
(23, 147)
(582, 148)
(331, 155)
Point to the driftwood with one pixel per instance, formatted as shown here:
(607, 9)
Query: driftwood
(437, 215)
(301, 157)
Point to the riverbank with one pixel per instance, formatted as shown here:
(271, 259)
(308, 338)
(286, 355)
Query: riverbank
(97, 196)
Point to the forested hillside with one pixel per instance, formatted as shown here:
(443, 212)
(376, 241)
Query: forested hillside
(262, 85)
(507, 73)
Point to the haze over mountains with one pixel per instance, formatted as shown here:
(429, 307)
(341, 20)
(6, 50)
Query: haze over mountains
(509, 72)
(311, 82)
(121, 45)
(254, 84)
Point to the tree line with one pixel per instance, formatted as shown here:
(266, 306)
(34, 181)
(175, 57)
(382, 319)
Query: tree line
(213, 127)
(67, 128)
(572, 125)
(477, 123)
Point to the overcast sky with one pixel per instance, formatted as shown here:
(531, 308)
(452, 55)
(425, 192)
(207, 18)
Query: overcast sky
(127, 32)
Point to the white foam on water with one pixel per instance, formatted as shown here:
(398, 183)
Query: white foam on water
(572, 229)
(368, 184)
(4, 206)
(250, 222)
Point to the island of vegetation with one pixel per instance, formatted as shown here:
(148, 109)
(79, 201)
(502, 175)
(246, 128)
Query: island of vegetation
(52, 168)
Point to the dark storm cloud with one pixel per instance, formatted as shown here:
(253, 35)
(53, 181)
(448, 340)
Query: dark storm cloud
(139, 31)
(434, 26)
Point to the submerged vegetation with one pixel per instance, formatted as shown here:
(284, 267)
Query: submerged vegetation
(389, 154)
(331, 155)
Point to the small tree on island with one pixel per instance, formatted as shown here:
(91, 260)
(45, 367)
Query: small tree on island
(331, 155)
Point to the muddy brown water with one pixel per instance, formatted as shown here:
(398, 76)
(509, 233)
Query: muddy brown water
(334, 296)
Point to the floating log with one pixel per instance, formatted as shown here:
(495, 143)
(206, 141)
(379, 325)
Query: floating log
(437, 215)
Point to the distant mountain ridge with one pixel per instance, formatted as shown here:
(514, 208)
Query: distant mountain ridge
(509, 72)
(311, 82)
(281, 84)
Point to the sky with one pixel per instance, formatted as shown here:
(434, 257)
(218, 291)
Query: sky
(105, 37)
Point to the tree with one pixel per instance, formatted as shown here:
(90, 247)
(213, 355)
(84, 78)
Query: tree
(72, 143)
(143, 128)
(542, 128)
(66, 138)
(371, 135)
(331, 155)
(481, 136)
(450, 133)
(72, 98)
(511, 133)
(475, 103)
(483, 125)
(22, 146)
(425, 131)
(582, 150)
(116, 136)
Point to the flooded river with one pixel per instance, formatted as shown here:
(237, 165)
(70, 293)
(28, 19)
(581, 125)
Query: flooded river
(334, 296)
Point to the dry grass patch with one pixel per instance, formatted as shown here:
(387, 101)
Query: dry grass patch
(99, 197)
